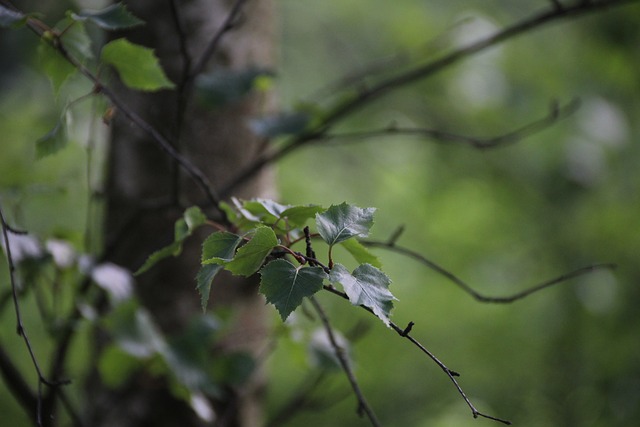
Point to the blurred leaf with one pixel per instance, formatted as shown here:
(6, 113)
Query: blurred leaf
(116, 366)
(10, 18)
(221, 88)
(234, 369)
(285, 286)
(367, 286)
(360, 253)
(113, 17)
(54, 141)
(188, 355)
(322, 354)
(341, 222)
(250, 257)
(137, 65)
(134, 330)
(54, 66)
(283, 124)
(75, 39)
(194, 217)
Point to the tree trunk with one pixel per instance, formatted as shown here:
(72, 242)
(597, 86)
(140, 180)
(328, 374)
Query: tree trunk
(146, 194)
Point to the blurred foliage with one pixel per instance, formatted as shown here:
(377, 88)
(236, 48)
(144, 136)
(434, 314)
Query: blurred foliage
(500, 219)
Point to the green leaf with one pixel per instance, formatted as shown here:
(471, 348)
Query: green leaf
(54, 141)
(10, 18)
(173, 249)
(221, 88)
(75, 39)
(204, 279)
(220, 247)
(183, 228)
(367, 286)
(250, 257)
(54, 66)
(137, 65)
(282, 124)
(285, 285)
(263, 210)
(341, 222)
(360, 253)
(297, 216)
(113, 17)
(269, 212)
(194, 217)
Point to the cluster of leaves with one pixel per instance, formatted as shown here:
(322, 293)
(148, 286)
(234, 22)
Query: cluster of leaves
(263, 239)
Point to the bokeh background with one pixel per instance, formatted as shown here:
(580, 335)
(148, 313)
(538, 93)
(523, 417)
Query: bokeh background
(502, 220)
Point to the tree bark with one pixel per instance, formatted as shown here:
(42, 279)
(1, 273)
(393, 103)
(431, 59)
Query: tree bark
(146, 194)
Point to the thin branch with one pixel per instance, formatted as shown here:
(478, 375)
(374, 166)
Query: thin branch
(420, 72)
(363, 406)
(405, 333)
(555, 114)
(390, 245)
(227, 25)
(20, 329)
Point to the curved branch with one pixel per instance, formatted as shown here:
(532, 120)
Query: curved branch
(405, 333)
(390, 245)
(557, 113)
(421, 72)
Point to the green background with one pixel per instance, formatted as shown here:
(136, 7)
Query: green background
(501, 220)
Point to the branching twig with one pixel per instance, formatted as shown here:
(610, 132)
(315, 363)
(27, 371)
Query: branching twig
(405, 333)
(211, 48)
(420, 72)
(476, 295)
(556, 113)
(363, 406)
(163, 142)
(20, 329)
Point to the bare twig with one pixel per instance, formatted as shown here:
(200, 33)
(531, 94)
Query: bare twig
(20, 329)
(211, 48)
(420, 72)
(476, 295)
(556, 113)
(404, 333)
(363, 406)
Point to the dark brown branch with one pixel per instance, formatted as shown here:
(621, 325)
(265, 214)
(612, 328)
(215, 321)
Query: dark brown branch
(363, 406)
(556, 114)
(20, 329)
(476, 295)
(404, 333)
(421, 72)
